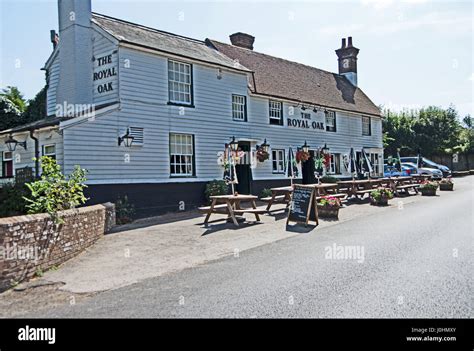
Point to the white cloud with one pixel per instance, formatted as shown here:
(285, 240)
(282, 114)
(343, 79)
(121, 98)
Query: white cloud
(471, 78)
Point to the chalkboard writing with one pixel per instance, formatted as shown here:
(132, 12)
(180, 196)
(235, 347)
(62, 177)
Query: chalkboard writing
(303, 205)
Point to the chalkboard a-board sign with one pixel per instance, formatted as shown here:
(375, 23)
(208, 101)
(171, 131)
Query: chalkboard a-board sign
(303, 206)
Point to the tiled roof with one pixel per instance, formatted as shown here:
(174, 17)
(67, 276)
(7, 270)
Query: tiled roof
(285, 79)
(163, 41)
(42, 123)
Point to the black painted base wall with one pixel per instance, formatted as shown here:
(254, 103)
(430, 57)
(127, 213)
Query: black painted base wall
(151, 199)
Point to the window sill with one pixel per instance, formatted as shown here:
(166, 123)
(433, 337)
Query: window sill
(183, 176)
(180, 104)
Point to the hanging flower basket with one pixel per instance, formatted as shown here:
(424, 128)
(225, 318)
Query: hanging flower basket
(302, 156)
(428, 188)
(380, 197)
(328, 207)
(262, 155)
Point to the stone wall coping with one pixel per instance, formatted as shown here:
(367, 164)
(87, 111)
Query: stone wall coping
(41, 216)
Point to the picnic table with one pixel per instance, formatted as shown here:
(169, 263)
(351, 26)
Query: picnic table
(421, 177)
(279, 195)
(402, 183)
(230, 205)
(358, 187)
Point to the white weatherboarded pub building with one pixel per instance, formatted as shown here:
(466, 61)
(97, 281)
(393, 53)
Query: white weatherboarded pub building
(182, 100)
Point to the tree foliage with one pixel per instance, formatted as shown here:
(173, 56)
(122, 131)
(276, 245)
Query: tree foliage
(433, 130)
(14, 95)
(16, 111)
(54, 191)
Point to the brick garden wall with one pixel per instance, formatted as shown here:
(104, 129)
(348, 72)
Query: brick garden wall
(35, 243)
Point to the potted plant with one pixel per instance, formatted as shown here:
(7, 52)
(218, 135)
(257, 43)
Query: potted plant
(328, 206)
(302, 156)
(380, 196)
(446, 184)
(428, 188)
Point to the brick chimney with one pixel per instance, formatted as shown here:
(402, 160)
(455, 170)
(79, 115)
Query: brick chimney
(347, 57)
(242, 40)
(75, 84)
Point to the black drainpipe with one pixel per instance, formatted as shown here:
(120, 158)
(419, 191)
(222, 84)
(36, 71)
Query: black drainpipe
(37, 153)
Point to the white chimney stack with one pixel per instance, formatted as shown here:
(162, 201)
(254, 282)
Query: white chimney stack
(75, 52)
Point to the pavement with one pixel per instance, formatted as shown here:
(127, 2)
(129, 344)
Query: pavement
(166, 244)
(413, 259)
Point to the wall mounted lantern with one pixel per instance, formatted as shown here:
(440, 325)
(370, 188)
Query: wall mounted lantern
(12, 144)
(234, 145)
(325, 148)
(264, 147)
(305, 147)
(126, 139)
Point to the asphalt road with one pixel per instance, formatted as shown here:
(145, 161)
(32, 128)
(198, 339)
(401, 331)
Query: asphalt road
(417, 263)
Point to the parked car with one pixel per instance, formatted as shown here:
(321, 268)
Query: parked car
(434, 172)
(427, 164)
(392, 171)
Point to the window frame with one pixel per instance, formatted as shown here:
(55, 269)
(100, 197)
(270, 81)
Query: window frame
(52, 155)
(278, 160)
(193, 157)
(335, 167)
(4, 161)
(191, 85)
(365, 118)
(276, 121)
(332, 129)
(244, 108)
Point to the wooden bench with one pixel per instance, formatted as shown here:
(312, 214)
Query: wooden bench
(406, 188)
(361, 193)
(278, 198)
(206, 209)
(251, 210)
(339, 195)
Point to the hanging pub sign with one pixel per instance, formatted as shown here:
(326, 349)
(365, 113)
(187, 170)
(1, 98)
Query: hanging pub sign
(303, 207)
(105, 73)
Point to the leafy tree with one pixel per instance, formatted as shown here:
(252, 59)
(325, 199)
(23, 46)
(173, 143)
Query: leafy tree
(14, 95)
(432, 129)
(14, 111)
(55, 192)
(10, 115)
(36, 108)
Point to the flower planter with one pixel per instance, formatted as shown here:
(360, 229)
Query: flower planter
(428, 191)
(446, 186)
(380, 202)
(328, 211)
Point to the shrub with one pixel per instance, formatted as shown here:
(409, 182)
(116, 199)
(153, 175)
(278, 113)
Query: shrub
(381, 193)
(124, 210)
(329, 201)
(54, 191)
(446, 181)
(328, 179)
(215, 187)
(428, 185)
(266, 193)
(12, 202)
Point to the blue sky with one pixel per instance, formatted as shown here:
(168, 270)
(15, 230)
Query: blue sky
(413, 53)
